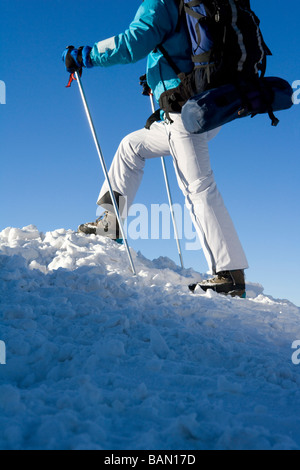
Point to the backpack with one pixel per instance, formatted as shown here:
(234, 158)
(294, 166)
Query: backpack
(226, 39)
(228, 48)
(218, 106)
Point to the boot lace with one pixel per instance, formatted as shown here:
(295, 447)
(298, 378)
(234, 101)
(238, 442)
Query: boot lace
(103, 220)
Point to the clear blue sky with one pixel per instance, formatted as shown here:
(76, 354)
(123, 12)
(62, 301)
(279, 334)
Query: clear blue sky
(50, 172)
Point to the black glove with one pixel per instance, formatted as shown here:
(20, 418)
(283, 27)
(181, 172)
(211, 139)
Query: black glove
(146, 89)
(75, 59)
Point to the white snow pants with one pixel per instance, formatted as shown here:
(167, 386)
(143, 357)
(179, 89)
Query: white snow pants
(218, 237)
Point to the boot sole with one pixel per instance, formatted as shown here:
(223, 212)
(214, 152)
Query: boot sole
(237, 291)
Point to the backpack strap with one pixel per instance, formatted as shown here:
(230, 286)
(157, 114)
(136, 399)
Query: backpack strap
(183, 9)
(160, 47)
(180, 14)
(169, 59)
(199, 17)
(153, 118)
(188, 8)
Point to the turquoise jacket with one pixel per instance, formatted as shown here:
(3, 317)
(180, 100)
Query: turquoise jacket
(155, 23)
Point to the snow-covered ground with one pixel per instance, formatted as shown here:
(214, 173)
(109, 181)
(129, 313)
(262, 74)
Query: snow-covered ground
(99, 359)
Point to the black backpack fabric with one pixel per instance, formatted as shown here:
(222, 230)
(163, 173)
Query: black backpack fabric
(227, 47)
(225, 37)
(229, 55)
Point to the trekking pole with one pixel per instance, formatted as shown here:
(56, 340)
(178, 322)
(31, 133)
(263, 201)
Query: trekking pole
(100, 154)
(169, 195)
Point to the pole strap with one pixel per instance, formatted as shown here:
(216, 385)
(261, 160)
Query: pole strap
(72, 77)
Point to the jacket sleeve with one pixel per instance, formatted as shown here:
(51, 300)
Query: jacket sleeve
(153, 22)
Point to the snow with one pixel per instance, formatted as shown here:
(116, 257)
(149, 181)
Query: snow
(99, 359)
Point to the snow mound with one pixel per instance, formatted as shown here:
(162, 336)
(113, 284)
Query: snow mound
(99, 359)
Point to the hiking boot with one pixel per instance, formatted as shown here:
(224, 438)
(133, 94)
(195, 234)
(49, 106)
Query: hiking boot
(225, 282)
(106, 226)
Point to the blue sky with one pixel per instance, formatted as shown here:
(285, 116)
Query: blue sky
(50, 173)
